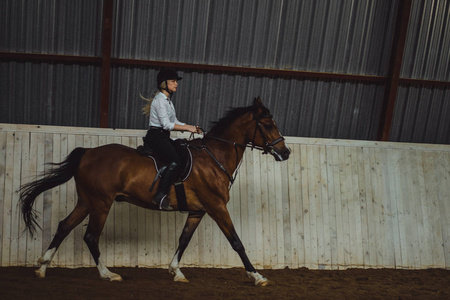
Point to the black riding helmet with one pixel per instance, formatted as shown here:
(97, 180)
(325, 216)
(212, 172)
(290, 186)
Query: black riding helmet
(167, 74)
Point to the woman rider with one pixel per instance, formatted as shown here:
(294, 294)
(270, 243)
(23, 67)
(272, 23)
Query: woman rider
(162, 120)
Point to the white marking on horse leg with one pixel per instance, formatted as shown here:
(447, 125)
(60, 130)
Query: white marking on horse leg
(174, 269)
(259, 279)
(106, 274)
(44, 261)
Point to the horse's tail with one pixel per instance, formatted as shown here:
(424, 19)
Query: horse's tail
(59, 174)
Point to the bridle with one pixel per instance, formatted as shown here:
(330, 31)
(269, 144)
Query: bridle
(267, 147)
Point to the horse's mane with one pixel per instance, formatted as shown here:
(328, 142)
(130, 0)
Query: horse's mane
(218, 127)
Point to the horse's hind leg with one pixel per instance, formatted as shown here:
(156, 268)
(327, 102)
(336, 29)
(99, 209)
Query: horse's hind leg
(97, 221)
(192, 222)
(64, 228)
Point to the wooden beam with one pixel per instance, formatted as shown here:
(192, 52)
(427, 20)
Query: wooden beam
(425, 82)
(398, 46)
(249, 70)
(106, 61)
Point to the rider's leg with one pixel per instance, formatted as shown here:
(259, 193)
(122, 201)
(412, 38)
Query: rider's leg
(162, 199)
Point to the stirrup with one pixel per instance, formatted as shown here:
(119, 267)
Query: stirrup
(163, 204)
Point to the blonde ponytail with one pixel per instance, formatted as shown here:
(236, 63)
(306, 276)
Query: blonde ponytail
(146, 109)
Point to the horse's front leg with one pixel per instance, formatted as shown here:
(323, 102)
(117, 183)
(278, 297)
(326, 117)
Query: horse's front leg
(223, 219)
(192, 222)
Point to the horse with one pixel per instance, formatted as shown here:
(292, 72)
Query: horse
(115, 172)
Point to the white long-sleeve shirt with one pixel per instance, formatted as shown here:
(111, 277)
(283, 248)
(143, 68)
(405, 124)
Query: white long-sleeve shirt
(162, 113)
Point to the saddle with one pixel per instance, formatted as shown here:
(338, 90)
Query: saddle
(181, 146)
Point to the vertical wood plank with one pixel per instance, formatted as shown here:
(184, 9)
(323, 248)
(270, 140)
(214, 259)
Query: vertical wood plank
(265, 211)
(40, 242)
(272, 214)
(419, 194)
(293, 184)
(256, 174)
(135, 226)
(16, 255)
(404, 187)
(325, 214)
(71, 198)
(308, 260)
(389, 222)
(356, 209)
(3, 151)
(24, 247)
(371, 254)
(7, 202)
(28, 177)
(286, 215)
(437, 251)
(63, 250)
(314, 204)
(333, 220)
(279, 213)
(443, 174)
(109, 230)
(363, 205)
(415, 220)
(345, 177)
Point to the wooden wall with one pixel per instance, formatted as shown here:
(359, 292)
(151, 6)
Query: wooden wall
(334, 204)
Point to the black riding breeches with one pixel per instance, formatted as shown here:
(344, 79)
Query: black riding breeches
(161, 143)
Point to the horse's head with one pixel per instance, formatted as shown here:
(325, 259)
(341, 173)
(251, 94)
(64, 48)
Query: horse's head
(266, 135)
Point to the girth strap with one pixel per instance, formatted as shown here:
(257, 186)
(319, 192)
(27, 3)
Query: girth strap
(181, 196)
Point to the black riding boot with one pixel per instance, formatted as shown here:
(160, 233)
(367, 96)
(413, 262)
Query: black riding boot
(162, 199)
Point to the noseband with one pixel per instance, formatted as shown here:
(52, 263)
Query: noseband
(267, 147)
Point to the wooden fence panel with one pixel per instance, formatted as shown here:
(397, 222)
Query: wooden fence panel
(333, 205)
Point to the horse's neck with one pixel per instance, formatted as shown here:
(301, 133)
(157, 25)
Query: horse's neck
(233, 150)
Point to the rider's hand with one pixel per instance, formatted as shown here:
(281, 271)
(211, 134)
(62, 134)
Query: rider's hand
(192, 128)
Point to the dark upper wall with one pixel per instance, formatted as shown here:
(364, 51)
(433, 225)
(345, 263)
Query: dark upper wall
(346, 37)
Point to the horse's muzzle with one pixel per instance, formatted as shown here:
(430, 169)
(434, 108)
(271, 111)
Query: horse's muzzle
(280, 155)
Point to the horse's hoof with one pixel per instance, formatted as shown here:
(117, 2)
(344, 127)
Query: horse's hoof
(116, 277)
(112, 277)
(259, 279)
(178, 275)
(39, 274)
(262, 283)
(180, 279)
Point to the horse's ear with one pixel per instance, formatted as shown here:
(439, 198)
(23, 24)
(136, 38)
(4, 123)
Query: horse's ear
(257, 102)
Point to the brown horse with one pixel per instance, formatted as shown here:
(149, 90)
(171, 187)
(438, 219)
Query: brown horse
(116, 172)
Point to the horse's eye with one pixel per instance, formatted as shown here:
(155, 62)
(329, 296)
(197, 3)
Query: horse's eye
(268, 126)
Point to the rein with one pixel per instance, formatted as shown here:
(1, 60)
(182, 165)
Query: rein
(267, 148)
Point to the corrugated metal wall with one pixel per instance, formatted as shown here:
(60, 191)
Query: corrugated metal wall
(351, 37)
(48, 93)
(342, 36)
(301, 107)
(332, 36)
(422, 114)
(51, 26)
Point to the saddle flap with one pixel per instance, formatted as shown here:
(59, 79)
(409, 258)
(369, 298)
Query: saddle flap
(182, 148)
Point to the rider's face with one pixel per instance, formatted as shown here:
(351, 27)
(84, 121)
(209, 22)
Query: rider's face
(172, 85)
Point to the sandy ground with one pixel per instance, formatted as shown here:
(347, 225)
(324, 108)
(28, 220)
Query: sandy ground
(84, 283)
